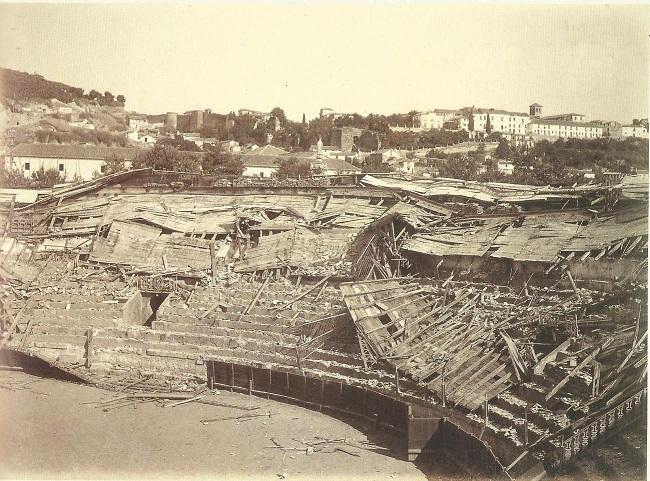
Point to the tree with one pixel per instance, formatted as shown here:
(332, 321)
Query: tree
(278, 113)
(304, 119)
(488, 125)
(108, 97)
(460, 167)
(242, 130)
(293, 168)
(114, 164)
(46, 178)
(94, 95)
(121, 99)
(411, 118)
(12, 177)
(541, 166)
(165, 157)
(216, 161)
(470, 123)
(503, 150)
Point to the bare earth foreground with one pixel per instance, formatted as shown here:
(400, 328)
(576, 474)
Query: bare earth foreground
(50, 429)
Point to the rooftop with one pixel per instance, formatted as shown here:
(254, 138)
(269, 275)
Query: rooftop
(268, 149)
(566, 123)
(340, 165)
(73, 151)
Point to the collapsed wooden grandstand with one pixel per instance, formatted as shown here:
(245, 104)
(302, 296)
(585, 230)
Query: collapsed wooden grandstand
(510, 322)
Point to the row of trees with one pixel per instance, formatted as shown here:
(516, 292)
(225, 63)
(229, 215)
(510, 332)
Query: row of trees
(593, 154)
(554, 163)
(39, 179)
(97, 137)
(22, 86)
(214, 161)
(299, 136)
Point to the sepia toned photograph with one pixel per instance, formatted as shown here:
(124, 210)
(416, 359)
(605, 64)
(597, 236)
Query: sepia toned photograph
(310, 240)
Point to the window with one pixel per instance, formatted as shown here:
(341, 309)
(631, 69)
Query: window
(62, 167)
(26, 165)
(261, 174)
(102, 169)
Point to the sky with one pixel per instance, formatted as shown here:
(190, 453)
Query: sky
(353, 57)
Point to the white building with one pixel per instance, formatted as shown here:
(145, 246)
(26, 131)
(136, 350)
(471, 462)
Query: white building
(430, 120)
(434, 119)
(262, 162)
(541, 129)
(501, 121)
(70, 160)
(506, 166)
(625, 131)
(231, 146)
(137, 122)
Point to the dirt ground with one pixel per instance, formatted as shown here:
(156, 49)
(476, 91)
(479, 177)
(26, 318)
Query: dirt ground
(49, 429)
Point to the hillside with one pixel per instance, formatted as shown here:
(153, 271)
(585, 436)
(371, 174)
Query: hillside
(25, 86)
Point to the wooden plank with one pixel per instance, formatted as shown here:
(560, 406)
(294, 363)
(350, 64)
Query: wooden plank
(213, 260)
(486, 366)
(89, 348)
(476, 390)
(539, 367)
(561, 384)
(257, 296)
(313, 288)
(515, 357)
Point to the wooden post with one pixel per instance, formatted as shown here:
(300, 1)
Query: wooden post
(526, 426)
(595, 387)
(573, 284)
(213, 259)
(89, 348)
(322, 395)
(486, 408)
(444, 386)
(396, 379)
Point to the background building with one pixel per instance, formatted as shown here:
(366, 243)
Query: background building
(72, 161)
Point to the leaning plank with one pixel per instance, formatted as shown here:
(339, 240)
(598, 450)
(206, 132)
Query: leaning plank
(539, 367)
(517, 363)
(561, 384)
(12, 327)
(311, 289)
(257, 296)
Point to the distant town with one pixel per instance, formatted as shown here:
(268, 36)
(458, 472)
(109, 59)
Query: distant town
(73, 136)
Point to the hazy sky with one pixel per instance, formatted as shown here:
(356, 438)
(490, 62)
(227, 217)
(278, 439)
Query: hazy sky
(363, 57)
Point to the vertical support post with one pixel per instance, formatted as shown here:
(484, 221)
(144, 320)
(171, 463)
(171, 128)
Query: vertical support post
(365, 402)
(232, 376)
(250, 380)
(526, 426)
(213, 260)
(322, 395)
(396, 379)
(444, 385)
(485, 404)
(89, 348)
